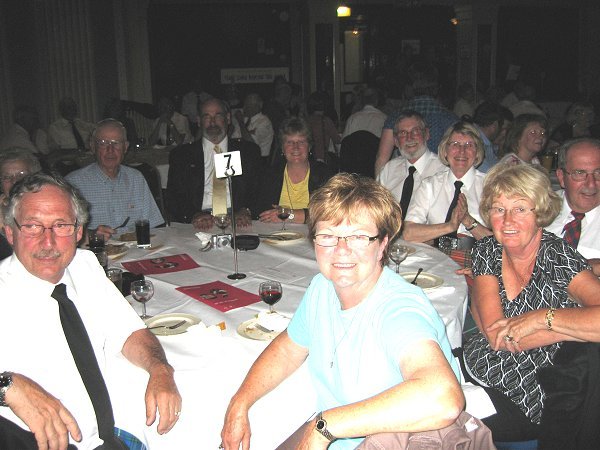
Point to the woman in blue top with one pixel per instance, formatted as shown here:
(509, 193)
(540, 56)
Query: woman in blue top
(377, 350)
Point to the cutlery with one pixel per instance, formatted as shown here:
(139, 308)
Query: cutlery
(414, 281)
(258, 326)
(169, 327)
(272, 237)
(125, 222)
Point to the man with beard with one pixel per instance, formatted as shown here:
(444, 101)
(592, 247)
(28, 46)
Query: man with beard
(579, 175)
(191, 171)
(403, 175)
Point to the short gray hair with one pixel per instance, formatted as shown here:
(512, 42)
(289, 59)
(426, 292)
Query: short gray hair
(567, 145)
(20, 154)
(34, 183)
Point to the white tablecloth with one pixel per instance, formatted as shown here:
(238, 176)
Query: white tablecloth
(210, 365)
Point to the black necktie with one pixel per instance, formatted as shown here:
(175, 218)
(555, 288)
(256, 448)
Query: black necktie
(457, 186)
(407, 190)
(85, 360)
(78, 138)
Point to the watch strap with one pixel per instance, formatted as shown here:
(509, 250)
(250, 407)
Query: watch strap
(5, 383)
(321, 427)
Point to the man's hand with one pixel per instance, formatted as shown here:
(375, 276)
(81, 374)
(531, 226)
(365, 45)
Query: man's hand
(243, 218)
(203, 221)
(162, 393)
(105, 231)
(236, 429)
(45, 415)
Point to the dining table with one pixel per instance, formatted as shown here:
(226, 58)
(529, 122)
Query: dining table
(212, 358)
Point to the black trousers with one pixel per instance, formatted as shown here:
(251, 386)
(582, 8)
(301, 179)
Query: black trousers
(13, 437)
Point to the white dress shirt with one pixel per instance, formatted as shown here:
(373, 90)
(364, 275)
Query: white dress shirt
(368, 119)
(589, 242)
(60, 134)
(260, 128)
(181, 125)
(17, 136)
(209, 170)
(430, 203)
(34, 341)
(394, 173)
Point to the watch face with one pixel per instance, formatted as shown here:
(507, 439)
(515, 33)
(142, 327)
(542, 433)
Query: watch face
(4, 381)
(320, 424)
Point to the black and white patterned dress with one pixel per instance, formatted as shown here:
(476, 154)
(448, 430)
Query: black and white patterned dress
(515, 374)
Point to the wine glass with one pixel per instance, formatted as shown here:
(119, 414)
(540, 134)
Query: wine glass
(398, 253)
(142, 291)
(283, 212)
(270, 292)
(222, 221)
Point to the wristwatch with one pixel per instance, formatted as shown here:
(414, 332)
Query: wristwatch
(321, 427)
(291, 216)
(474, 225)
(5, 383)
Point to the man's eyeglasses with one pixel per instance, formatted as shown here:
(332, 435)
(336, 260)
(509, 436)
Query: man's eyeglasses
(517, 211)
(105, 143)
(581, 175)
(353, 241)
(415, 132)
(35, 229)
(13, 178)
(455, 145)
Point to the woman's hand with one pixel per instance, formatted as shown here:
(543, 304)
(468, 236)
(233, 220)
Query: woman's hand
(270, 215)
(459, 213)
(510, 331)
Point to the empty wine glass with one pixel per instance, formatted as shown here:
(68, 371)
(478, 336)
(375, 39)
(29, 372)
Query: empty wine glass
(222, 221)
(270, 292)
(283, 212)
(398, 253)
(142, 291)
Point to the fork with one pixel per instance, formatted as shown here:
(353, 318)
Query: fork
(169, 327)
(125, 222)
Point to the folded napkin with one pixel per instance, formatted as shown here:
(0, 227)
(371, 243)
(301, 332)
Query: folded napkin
(204, 237)
(478, 402)
(442, 291)
(273, 321)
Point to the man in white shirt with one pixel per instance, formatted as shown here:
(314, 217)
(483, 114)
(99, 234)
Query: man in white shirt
(69, 132)
(25, 132)
(410, 136)
(252, 125)
(579, 176)
(51, 396)
(369, 118)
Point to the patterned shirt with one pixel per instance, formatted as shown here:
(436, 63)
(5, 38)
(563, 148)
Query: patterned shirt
(111, 201)
(515, 374)
(438, 118)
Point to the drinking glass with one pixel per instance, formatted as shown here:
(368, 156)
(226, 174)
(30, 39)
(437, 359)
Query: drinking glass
(142, 291)
(283, 212)
(270, 292)
(398, 253)
(222, 221)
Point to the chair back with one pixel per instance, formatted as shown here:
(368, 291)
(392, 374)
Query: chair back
(357, 153)
(152, 176)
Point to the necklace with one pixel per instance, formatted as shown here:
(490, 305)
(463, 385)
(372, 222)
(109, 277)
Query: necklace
(335, 349)
(286, 177)
(528, 270)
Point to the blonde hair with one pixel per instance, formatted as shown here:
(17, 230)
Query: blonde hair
(467, 129)
(523, 180)
(349, 195)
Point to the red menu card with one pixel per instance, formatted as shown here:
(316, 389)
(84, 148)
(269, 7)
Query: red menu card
(161, 264)
(219, 295)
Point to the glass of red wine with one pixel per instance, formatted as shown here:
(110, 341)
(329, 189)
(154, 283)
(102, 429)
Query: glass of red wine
(283, 212)
(270, 293)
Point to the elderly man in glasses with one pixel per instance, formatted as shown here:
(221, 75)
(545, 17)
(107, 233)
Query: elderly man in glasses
(579, 219)
(52, 389)
(113, 190)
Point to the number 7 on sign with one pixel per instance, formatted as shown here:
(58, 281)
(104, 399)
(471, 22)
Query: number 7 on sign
(228, 164)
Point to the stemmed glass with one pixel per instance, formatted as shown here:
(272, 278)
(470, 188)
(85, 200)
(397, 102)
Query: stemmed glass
(283, 212)
(142, 291)
(270, 292)
(222, 221)
(398, 253)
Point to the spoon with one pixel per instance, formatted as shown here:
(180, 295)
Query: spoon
(169, 327)
(414, 281)
(125, 222)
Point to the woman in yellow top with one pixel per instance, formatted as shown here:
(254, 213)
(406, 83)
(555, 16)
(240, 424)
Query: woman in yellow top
(295, 179)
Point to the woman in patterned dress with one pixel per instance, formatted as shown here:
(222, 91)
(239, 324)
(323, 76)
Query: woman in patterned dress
(532, 292)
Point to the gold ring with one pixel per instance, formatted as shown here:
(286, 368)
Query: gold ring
(508, 338)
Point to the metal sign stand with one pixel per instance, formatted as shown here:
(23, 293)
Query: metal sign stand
(236, 275)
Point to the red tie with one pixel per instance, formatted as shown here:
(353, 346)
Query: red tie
(572, 230)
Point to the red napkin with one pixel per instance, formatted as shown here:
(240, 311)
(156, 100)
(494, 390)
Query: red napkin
(161, 264)
(232, 298)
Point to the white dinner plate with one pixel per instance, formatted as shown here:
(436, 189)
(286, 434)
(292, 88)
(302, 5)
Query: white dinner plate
(287, 238)
(425, 280)
(167, 320)
(248, 330)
